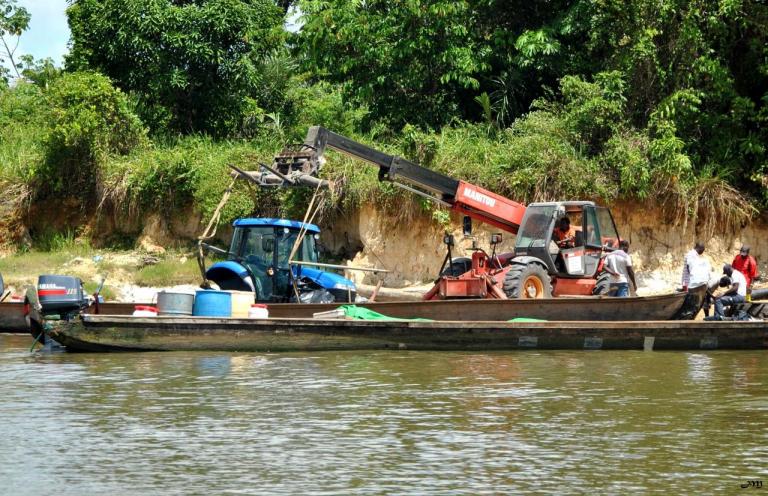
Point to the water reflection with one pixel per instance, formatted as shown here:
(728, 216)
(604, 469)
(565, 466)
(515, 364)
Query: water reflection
(380, 422)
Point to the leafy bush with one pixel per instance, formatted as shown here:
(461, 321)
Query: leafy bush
(24, 122)
(90, 119)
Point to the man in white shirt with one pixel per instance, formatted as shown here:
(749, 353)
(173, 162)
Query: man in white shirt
(618, 264)
(735, 294)
(696, 268)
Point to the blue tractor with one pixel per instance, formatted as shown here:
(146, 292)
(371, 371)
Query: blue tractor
(258, 261)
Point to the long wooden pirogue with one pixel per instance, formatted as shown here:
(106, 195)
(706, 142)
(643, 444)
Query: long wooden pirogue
(127, 333)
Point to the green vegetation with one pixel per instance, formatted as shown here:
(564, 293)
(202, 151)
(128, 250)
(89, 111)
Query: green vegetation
(13, 21)
(662, 101)
(169, 273)
(193, 66)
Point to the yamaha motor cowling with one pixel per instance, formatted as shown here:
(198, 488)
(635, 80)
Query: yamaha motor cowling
(63, 295)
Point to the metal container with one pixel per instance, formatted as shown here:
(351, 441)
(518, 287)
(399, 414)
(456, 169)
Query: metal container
(172, 303)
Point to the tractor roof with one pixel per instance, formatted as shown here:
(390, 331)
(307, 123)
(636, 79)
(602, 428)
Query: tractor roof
(567, 205)
(269, 222)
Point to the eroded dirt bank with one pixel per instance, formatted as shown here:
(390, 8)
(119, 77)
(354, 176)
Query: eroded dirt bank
(411, 246)
(413, 251)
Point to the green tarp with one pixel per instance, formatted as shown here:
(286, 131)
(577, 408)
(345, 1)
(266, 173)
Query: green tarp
(360, 313)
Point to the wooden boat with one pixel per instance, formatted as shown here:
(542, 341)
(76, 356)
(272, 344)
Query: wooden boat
(13, 317)
(662, 307)
(128, 333)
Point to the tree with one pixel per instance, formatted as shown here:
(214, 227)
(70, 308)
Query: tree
(90, 119)
(409, 61)
(13, 21)
(192, 65)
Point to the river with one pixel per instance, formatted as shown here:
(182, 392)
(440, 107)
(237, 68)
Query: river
(395, 422)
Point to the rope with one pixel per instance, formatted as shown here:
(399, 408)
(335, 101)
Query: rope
(303, 230)
(37, 338)
(300, 238)
(210, 230)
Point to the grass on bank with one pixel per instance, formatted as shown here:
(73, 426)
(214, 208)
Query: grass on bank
(169, 273)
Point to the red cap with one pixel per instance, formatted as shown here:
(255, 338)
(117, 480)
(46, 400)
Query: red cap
(145, 308)
(258, 305)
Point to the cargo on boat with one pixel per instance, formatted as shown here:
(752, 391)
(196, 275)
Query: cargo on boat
(598, 308)
(128, 333)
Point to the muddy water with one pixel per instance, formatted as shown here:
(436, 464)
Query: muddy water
(381, 422)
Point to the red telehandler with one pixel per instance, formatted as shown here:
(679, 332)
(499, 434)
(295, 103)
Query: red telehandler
(539, 267)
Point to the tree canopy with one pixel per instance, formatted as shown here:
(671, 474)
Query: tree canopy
(191, 65)
(13, 21)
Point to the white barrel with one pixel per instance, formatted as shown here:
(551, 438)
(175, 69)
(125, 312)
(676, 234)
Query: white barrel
(258, 311)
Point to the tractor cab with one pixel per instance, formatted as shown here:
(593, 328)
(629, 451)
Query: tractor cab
(258, 261)
(569, 237)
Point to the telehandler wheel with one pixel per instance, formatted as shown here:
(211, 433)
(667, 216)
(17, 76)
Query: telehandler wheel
(527, 281)
(603, 284)
(459, 265)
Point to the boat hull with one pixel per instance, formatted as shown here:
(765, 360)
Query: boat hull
(13, 317)
(126, 333)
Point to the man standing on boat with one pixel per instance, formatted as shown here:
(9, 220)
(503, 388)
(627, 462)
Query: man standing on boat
(696, 268)
(618, 264)
(747, 265)
(735, 294)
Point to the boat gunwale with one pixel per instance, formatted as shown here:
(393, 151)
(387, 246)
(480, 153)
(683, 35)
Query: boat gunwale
(162, 321)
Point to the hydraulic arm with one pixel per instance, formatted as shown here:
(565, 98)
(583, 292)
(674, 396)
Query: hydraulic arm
(478, 203)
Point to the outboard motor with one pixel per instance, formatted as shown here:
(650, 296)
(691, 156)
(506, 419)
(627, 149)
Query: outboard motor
(63, 295)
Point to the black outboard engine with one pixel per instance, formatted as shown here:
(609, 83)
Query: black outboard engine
(63, 295)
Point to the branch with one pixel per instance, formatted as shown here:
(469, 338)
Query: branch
(10, 54)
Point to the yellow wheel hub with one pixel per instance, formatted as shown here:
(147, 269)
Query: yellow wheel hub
(532, 287)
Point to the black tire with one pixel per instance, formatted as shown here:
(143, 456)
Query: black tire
(757, 294)
(458, 266)
(603, 284)
(532, 275)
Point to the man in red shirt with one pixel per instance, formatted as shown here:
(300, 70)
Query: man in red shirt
(747, 265)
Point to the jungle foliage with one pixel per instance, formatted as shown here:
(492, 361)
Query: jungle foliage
(664, 101)
(193, 66)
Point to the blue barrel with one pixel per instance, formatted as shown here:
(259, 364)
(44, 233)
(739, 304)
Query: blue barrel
(212, 303)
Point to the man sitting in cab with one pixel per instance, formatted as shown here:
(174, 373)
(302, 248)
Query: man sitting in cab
(563, 234)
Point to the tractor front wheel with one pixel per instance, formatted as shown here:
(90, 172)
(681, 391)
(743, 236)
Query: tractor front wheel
(527, 281)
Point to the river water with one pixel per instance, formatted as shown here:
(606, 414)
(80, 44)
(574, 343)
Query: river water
(396, 422)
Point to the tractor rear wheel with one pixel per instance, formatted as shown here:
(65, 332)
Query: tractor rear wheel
(527, 281)
(602, 285)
